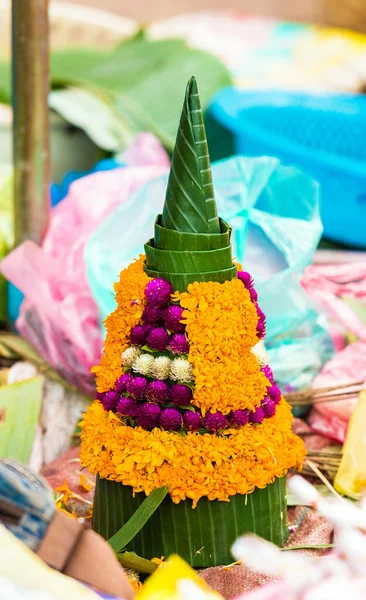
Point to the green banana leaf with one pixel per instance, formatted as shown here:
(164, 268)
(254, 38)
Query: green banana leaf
(20, 407)
(178, 261)
(169, 239)
(202, 536)
(190, 201)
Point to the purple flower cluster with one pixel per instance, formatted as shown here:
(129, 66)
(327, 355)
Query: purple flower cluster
(248, 282)
(161, 327)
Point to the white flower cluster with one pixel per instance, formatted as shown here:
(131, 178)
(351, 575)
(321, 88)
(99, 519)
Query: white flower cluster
(162, 367)
(181, 370)
(341, 574)
(143, 364)
(260, 353)
(130, 355)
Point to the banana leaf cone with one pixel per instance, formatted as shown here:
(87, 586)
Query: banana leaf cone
(191, 243)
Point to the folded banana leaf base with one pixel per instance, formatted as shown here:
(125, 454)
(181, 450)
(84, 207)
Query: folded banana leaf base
(202, 536)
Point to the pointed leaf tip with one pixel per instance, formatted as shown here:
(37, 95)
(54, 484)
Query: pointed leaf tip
(190, 203)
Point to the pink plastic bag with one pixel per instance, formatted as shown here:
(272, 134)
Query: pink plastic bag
(331, 418)
(59, 316)
(326, 285)
(329, 286)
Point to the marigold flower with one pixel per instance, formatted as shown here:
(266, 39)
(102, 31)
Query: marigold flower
(213, 465)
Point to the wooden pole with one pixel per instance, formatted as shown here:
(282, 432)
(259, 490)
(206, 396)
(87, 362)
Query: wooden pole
(31, 155)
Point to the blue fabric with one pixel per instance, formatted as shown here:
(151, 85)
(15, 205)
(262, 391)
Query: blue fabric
(24, 490)
(58, 192)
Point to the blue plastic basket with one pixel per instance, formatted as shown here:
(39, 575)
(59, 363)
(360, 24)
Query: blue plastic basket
(324, 135)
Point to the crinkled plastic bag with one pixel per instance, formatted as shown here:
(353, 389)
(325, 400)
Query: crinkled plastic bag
(273, 211)
(59, 316)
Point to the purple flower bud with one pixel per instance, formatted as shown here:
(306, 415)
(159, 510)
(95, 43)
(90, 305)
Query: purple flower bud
(158, 339)
(245, 278)
(260, 313)
(274, 393)
(215, 421)
(148, 415)
(192, 420)
(158, 291)
(269, 407)
(136, 386)
(179, 344)
(253, 294)
(120, 384)
(181, 395)
(171, 419)
(139, 334)
(110, 400)
(239, 417)
(268, 373)
(153, 315)
(257, 415)
(172, 318)
(261, 329)
(100, 396)
(157, 391)
(127, 407)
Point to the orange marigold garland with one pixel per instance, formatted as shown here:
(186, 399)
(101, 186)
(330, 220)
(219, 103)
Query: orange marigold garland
(130, 302)
(216, 466)
(221, 323)
(244, 439)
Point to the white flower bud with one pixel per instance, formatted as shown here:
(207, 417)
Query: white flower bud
(130, 355)
(260, 353)
(181, 370)
(160, 368)
(143, 364)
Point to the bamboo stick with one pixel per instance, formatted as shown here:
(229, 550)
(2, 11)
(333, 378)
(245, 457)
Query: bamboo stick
(31, 155)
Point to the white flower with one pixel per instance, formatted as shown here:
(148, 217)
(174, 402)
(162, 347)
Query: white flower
(143, 364)
(260, 353)
(130, 355)
(160, 368)
(181, 370)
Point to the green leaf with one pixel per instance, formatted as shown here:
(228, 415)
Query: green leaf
(169, 239)
(190, 203)
(202, 536)
(144, 79)
(180, 281)
(135, 523)
(130, 560)
(18, 347)
(195, 261)
(20, 407)
(93, 112)
(5, 83)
